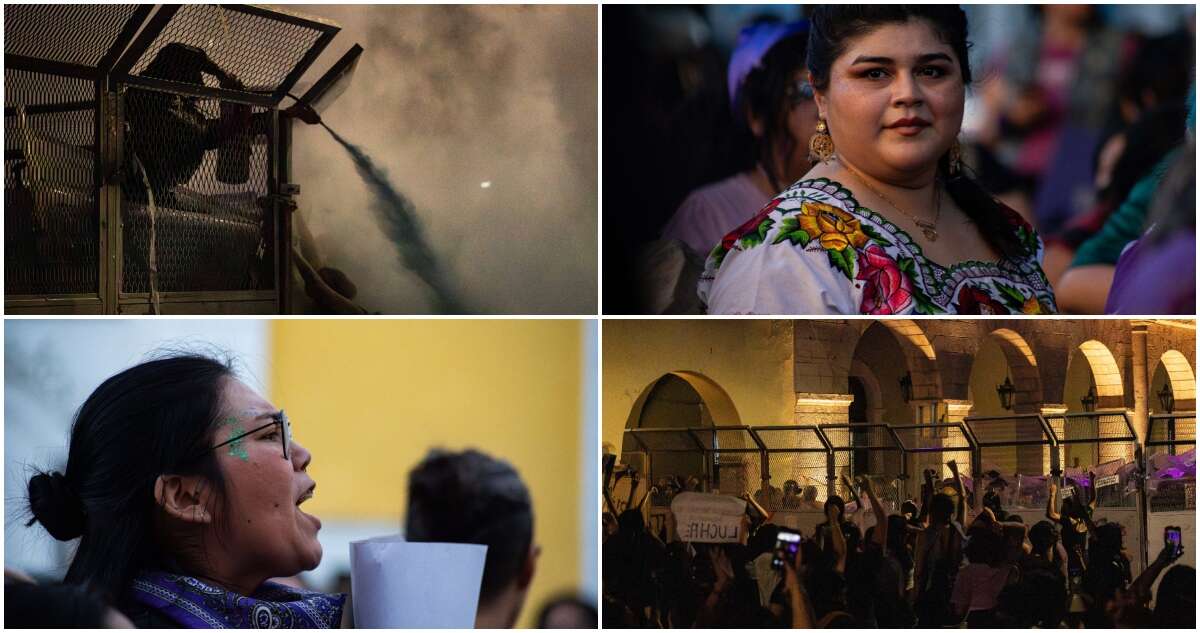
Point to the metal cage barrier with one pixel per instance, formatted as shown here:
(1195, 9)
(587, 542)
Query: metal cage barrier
(1097, 445)
(145, 159)
(871, 449)
(798, 467)
(932, 446)
(1021, 448)
(1168, 486)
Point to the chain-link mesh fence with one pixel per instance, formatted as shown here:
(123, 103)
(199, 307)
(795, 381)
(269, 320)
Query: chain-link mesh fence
(1171, 462)
(196, 187)
(197, 87)
(78, 34)
(51, 217)
(259, 51)
(797, 462)
(1089, 439)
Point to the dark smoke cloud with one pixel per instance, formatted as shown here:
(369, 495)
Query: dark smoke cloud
(445, 99)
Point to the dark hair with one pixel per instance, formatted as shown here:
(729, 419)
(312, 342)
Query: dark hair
(1173, 211)
(835, 500)
(585, 612)
(897, 541)
(941, 508)
(28, 606)
(1175, 600)
(146, 421)
(1043, 536)
(835, 25)
(469, 497)
(984, 546)
(766, 95)
(1147, 141)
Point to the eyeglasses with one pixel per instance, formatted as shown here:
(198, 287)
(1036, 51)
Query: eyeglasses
(285, 434)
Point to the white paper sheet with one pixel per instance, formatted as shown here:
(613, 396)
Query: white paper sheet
(398, 584)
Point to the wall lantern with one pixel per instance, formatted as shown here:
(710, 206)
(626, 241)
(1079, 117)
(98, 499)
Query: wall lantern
(1166, 398)
(1089, 401)
(1006, 390)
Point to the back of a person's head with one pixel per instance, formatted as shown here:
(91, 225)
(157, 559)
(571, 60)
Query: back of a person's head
(28, 606)
(469, 497)
(984, 546)
(568, 612)
(941, 508)
(1043, 536)
(1175, 600)
(836, 500)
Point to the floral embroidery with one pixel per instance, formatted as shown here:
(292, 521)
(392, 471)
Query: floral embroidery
(894, 276)
(836, 229)
(888, 290)
(972, 300)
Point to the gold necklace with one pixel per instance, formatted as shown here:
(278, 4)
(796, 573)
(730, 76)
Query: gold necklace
(928, 228)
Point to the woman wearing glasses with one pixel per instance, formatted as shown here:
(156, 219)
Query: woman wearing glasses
(184, 488)
(888, 222)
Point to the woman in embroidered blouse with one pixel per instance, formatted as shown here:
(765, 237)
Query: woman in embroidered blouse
(184, 487)
(888, 222)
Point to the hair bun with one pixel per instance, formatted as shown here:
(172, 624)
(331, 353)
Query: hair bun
(56, 506)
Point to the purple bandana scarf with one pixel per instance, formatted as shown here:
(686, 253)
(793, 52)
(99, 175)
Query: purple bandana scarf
(196, 604)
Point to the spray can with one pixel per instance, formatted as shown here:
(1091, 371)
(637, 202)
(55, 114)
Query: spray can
(233, 155)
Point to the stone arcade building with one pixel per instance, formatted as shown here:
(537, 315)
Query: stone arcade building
(907, 373)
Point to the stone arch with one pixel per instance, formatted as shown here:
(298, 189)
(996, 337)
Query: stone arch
(720, 406)
(922, 359)
(1022, 362)
(863, 373)
(1181, 377)
(1106, 374)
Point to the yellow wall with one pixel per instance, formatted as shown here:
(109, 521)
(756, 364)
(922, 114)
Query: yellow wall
(750, 359)
(369, 398)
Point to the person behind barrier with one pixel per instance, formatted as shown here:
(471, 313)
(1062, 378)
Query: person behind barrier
(183, 486)
(470, 497)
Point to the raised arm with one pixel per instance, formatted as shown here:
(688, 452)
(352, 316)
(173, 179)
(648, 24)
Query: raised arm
(839, 539)
(802, 617)
(1052, 502)
(961, 510)
(881, 524)
(926, 496)
(1145, 580)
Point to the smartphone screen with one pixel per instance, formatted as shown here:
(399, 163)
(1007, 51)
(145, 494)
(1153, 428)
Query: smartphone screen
(786, 546)
(1174, 539)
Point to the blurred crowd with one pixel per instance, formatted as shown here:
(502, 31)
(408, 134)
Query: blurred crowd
(930, 564)
(1081, 119)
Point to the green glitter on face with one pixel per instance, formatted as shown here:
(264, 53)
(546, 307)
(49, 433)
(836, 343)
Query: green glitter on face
(237, 447)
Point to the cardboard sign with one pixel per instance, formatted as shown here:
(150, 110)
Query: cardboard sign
(1110, 480)
(401, 585)
(1066, 492)
(708, 518)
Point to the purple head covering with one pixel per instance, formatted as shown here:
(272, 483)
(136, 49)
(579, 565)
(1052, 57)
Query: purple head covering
(753, 44)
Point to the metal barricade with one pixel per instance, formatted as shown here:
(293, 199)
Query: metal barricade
(145, 159)
(1097, 451)
(870, 449)
(1170, 488)
(1020, 448)
(932, 446)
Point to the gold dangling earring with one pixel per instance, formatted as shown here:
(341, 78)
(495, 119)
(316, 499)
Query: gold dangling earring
(955, 162)
(820, 146)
